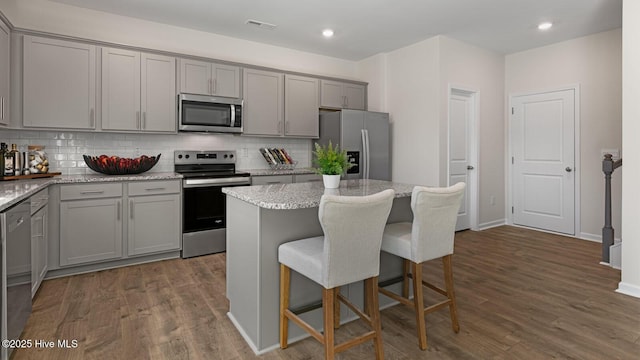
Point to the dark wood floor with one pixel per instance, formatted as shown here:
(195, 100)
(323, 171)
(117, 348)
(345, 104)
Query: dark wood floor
(521, 295)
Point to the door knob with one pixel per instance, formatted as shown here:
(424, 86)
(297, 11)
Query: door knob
(469, 167)
(568, 169)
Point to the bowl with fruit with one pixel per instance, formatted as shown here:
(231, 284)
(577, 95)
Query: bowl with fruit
(115, 165)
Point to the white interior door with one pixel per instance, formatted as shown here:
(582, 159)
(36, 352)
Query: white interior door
(461, 113)
(543, 136)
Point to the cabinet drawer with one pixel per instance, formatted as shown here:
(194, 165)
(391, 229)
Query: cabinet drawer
(271, 179)
(308, 178)
(90, 191)
(153, 187)
(39, 200)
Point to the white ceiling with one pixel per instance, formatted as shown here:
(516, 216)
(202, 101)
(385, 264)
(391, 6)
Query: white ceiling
(367, 27)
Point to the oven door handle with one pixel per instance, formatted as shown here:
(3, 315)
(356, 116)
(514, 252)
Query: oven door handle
(192, 183)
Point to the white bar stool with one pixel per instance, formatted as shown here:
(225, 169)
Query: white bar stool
(430, 236)
(348, 252)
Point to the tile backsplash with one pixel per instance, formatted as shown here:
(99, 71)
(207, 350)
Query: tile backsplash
(65, 149)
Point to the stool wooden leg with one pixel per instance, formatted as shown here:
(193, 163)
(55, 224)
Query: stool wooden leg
(285, 284)
(419, 304)
(328, 296)
(336, 308)
(448, 280)
(371, 285)
(405, 278)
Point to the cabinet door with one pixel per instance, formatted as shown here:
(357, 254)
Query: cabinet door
(226, 80)
(300, 178)
(4, 73)
(195, 77)
(59, 84)
(120, 89)
(331, 95)
(301, 112)
(153, 224)
(263, 102)
(39, 248)
(158, 93)
(354, 96)
(90, 230)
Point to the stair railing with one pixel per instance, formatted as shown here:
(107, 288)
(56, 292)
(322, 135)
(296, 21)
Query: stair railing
(608, 166)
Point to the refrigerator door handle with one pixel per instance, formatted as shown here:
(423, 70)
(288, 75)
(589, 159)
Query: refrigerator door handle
(365, 150)
(366, 132)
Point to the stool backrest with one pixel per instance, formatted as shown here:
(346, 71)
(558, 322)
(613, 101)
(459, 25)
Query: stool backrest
(435, 212)
(353, 227)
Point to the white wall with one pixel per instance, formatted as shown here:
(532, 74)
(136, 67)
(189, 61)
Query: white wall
(480, 70)
(595, 63)
(374, 70)
(73, 21)
(630, 283)
(412, 101)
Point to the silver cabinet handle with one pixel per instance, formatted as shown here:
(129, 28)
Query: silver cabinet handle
(215, 86)
(279, 127)
(91, 118)
(137, 119)
(154, 189)
(346, 101)
(568, 169)
(470, 167)
(44, 221)
(119, 207)
(131, 208)
(286, 127)
(2, 116)
(144, 120)
(92, 192)
(210, 86)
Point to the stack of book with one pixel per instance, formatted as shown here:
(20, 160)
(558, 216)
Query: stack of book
(278, 158)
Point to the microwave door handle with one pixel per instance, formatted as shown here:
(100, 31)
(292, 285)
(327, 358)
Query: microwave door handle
(233, 115)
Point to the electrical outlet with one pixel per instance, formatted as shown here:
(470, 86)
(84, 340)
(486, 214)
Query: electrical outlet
(244, 152)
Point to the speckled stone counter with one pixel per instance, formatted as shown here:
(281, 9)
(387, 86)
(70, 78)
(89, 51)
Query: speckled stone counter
(259, 219)
(307, 195)
(265, 172)
(14, 191)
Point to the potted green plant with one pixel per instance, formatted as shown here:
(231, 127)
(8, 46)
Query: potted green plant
(331, 163)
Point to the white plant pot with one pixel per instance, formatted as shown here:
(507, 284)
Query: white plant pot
(331, 181)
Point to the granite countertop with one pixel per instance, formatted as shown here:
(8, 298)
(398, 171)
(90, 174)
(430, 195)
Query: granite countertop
(14, 191)
(307, 195)
(265, 172)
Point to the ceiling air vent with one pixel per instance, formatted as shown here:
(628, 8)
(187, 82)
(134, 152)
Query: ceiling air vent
(260, 24)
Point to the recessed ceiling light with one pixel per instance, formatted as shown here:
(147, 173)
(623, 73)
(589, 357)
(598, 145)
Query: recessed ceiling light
(327, 33)
(545, 26)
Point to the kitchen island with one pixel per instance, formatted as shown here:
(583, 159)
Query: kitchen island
(259, 219)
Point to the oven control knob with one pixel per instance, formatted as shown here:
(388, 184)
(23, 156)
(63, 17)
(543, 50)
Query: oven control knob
(180, 156)
(225, 156)
(186, 156)
(231, 156)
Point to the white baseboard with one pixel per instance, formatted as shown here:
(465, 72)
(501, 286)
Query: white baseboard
(628, 289)
(491, 224)
(594, 237)
(245, 336)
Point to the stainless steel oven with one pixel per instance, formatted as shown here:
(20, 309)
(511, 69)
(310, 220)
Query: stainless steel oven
(204, 205)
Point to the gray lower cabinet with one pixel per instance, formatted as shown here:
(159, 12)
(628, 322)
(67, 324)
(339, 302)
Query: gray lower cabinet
(90, 223)
(299, 178)
(112, 221)
(154, 217)
(39, 239)
(271, 179)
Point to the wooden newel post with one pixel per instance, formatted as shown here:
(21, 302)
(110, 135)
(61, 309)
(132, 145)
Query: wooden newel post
(608, 166)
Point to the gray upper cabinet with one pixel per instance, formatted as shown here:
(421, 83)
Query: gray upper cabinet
(341, 95)
(4, 73)
(263, 102)
(59, 84)
(301, 112)
(205, 78)
(138, 91)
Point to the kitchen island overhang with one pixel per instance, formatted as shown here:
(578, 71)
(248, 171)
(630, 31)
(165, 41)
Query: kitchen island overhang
(259, 219)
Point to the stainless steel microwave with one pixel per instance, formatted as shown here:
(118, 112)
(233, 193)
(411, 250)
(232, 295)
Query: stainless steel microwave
(204, 113)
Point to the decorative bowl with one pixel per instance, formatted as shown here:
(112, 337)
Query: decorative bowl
(114, 165)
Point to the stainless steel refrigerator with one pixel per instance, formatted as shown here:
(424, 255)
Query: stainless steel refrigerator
(365, 137)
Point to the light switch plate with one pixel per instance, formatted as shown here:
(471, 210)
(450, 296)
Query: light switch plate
(615, 153)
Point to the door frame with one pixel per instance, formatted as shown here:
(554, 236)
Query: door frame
(474, 147)
(576, 154)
